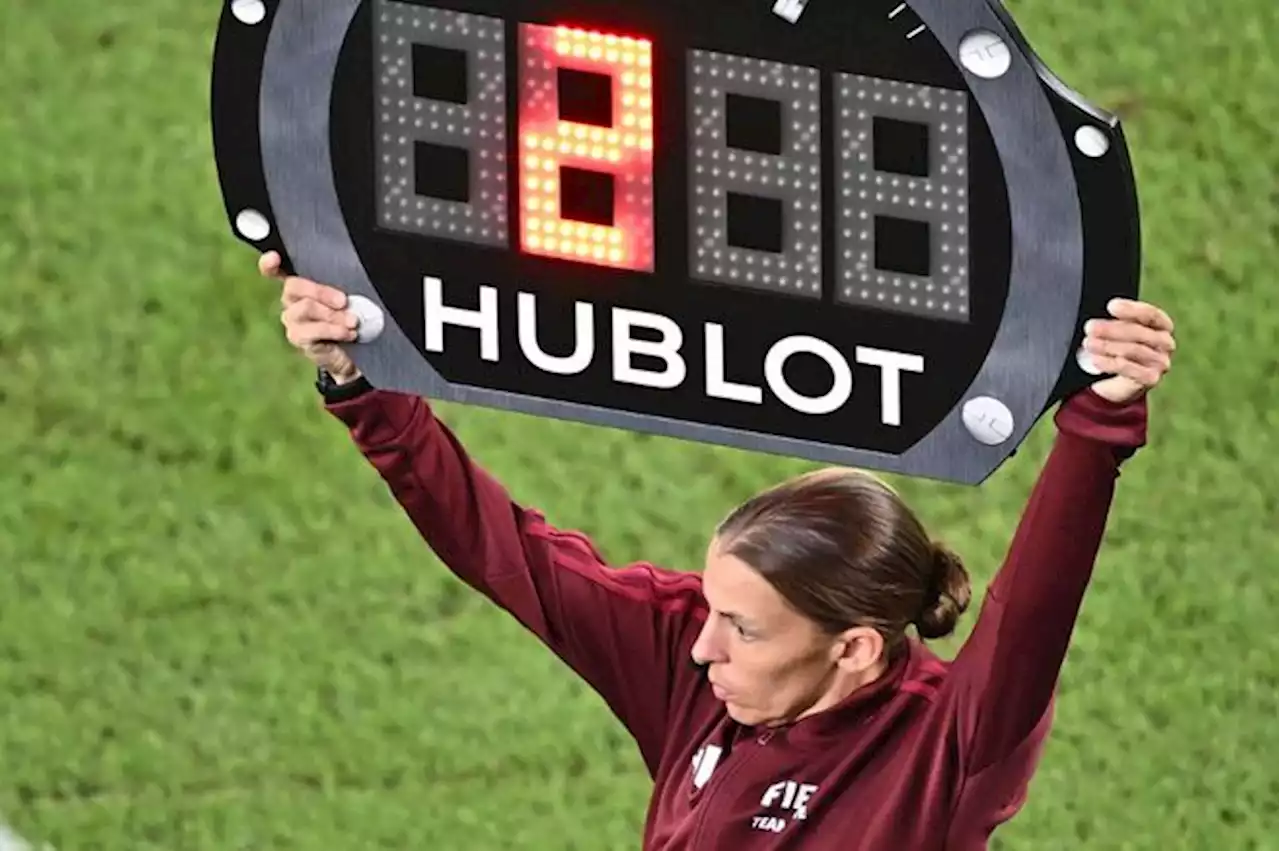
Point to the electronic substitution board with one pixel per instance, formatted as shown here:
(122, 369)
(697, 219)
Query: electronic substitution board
(863, 232)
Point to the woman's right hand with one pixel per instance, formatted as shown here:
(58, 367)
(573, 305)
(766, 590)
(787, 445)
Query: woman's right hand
(315, 319)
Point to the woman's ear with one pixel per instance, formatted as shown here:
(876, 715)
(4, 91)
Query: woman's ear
(858, 649)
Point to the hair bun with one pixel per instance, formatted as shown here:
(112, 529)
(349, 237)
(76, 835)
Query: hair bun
(948, 595)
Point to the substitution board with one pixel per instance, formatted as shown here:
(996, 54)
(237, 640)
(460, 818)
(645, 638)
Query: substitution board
(865, 233)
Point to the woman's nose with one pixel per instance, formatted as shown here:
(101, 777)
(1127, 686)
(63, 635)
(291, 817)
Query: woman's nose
(706, 648)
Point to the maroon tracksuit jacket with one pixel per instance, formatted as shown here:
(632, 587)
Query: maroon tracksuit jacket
(933, 756)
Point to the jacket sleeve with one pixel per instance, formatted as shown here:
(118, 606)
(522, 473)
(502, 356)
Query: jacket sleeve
(1003, 679)
(618, 628)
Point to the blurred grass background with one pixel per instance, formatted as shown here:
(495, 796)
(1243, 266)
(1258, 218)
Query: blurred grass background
(218, 631)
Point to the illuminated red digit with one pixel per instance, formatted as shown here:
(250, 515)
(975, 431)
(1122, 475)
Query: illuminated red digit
(621, 152)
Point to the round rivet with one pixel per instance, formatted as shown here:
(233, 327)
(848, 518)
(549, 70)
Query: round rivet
(370, 317)
(249, 11)
(252, 225)
(1086, 363)
(985, 54)
(988, 419)
(1091, 141)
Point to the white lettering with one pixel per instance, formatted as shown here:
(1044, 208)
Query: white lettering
(773, 824)
(771, 794)
(891, 365)
(584, 340)
(841, 386)
(485, 320)
(716, 384)
(791, 792)
(704, 762)
(668, 349)
(627, 347)
(801, 804)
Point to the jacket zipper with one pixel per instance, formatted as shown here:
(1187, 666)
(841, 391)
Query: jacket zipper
(716, 782)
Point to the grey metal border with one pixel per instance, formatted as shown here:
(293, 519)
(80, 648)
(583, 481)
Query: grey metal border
(1021, 368)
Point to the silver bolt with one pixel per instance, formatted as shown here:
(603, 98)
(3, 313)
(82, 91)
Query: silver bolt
(988, 419)
(252, 225)
(369, 316)
(1086, 363)
(984, 53)
(1091, 141)
(249, 11)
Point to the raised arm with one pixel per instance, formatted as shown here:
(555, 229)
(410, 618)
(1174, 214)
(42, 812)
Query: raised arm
(1006, 672)
(618, 628)
(1004, 677)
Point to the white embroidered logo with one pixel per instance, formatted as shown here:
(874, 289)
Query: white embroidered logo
(704, 762)
(788, 795)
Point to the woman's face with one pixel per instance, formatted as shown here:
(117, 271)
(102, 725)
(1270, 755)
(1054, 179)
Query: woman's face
(764, 659)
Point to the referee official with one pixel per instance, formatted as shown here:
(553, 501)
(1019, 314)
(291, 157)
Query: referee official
(778, 697)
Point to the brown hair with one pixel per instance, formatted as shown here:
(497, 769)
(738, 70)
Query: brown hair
(843, 549)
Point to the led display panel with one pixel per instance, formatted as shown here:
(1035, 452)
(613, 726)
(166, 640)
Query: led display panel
(864, 233)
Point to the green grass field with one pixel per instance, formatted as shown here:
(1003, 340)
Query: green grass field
(217, 630)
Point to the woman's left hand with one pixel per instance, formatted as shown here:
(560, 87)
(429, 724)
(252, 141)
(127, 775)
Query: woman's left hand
(1135, 348)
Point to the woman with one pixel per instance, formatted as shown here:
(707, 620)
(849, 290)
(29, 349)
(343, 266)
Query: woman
(809, 718)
